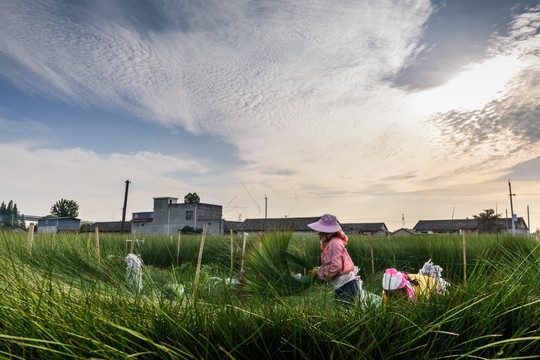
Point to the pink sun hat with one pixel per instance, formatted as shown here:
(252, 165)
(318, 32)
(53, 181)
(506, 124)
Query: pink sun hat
(326, 224)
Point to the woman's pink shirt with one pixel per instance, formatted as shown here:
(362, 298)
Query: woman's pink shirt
(335, 260)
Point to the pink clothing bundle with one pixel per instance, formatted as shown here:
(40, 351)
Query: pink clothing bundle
(335, 260)
(404, 282)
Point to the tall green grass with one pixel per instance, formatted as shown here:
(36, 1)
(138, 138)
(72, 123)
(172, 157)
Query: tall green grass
(61, 302)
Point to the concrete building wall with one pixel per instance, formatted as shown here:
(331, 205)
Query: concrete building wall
(55, 225)
(169, 217)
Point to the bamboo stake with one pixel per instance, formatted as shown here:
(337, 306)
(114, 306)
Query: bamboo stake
(196, 283)
(305, 253)
(97, 244)
(232, 252)
(132, 241)
(30, 237)
(464, 259)
(372, 257)
(88, 241)
(243, 252)
(178, 249)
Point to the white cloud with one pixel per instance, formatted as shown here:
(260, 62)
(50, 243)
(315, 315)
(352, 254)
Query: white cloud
(95, 181)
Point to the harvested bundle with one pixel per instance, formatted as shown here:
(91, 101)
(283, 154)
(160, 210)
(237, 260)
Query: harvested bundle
(273, 267)
(134, 271)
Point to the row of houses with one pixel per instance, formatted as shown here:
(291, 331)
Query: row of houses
(170, 217)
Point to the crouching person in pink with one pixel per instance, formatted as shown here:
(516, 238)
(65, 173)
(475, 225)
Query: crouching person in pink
(337, 267)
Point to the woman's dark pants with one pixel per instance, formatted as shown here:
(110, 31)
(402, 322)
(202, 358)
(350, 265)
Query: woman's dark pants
(346, 294)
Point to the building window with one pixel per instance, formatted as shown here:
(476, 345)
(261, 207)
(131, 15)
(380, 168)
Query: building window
(189, 214)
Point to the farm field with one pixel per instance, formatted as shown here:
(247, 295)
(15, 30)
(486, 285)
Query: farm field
(63, 297)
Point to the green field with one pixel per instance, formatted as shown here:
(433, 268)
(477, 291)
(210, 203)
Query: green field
(61, 299)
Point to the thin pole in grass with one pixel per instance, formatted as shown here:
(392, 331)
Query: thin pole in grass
(243, 252)
(196, 282)
(260, 240)
(97, 245)
(305, 253)
(30, 238)
(232, 252)
(178, 249)
(132, 242)
(372, 257)
(464, 258)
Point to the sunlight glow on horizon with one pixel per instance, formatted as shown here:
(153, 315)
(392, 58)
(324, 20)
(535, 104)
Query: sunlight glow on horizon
(472, 89)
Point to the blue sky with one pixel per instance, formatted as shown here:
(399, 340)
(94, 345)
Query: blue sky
(367, 110)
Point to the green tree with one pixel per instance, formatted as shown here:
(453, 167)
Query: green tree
(22, 222)
(15, 216)
(487, 221)
(192, 198)
(65, 208)
(10, 215)
(3, 212)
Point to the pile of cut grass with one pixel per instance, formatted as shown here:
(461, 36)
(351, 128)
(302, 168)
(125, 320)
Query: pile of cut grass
(276, 266)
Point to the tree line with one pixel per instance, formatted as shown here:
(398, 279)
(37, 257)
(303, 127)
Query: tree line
(10, 216)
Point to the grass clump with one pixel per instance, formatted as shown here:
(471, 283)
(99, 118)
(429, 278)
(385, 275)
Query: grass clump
(276, 266)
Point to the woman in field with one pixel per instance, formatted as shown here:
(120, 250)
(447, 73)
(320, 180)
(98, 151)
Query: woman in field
(337, 266)
(428, 282)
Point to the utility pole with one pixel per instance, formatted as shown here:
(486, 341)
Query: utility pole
(403, 221)
(512, 208)
(125, 204)
(265, 207)
(506, 211)
(528, 219)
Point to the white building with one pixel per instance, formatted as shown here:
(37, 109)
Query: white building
(170, 217)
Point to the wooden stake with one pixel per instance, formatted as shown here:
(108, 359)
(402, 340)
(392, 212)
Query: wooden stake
(30, 237)
(196, 282)
(88, 241)
(97, 244)
(132, 241)
(243, 252)
(305, 253)
(464, 258)
(372, 257)
(232, 252)
(178, 249)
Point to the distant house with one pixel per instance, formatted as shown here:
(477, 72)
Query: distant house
(53, 225)
(403, 232)
(299, 225)
(231, 225)
(108, 227)
(377, 229)
(467, 225)
(170, 217)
